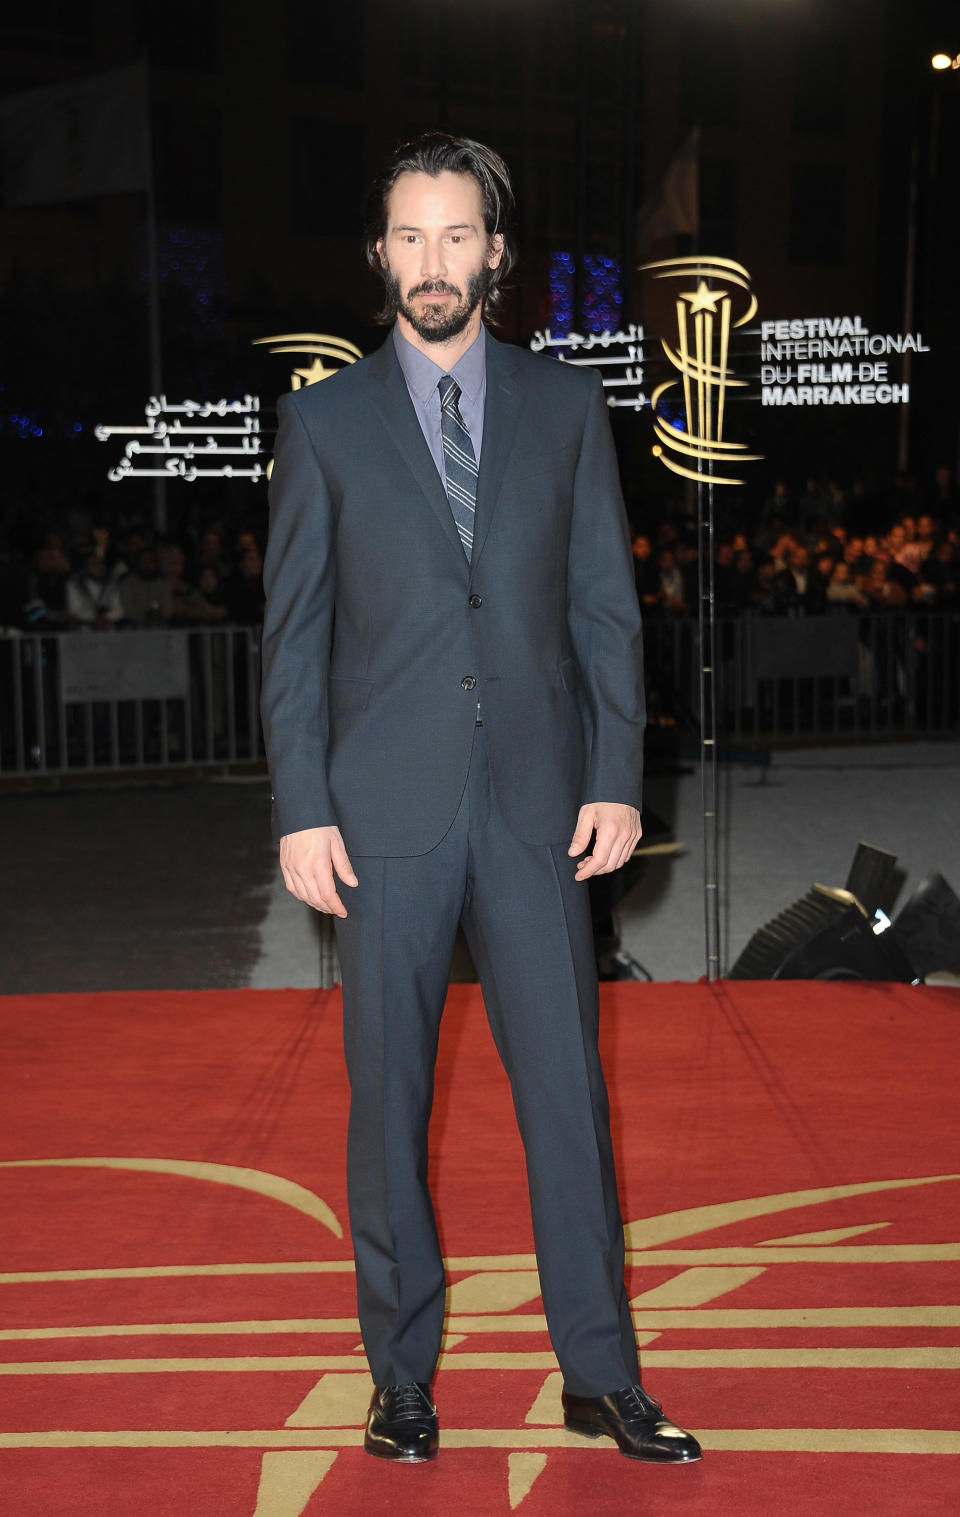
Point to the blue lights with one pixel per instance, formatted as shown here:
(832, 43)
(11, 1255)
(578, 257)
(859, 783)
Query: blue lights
(19, 424)
(562, 273)
(602, 297)
(22, 426)
(673, 413)
(191, 258)
(601, 293)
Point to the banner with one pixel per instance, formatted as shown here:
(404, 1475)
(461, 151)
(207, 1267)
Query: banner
(69, 141)
(675, 212)
(124, 666)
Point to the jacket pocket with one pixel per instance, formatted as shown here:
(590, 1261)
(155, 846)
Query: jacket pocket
(349, 694)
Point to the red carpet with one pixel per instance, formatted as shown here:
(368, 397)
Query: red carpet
(178, 1324)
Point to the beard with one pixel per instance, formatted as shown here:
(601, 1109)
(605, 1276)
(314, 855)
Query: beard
(433, 323)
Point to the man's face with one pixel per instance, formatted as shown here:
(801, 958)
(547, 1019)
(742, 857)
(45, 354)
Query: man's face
(437, 258)
(171, 561)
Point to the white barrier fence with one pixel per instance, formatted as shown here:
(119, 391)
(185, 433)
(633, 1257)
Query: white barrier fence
(879, 676)
(87, 702)
(76, 702)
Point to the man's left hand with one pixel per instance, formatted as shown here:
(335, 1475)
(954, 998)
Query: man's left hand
(618, 831)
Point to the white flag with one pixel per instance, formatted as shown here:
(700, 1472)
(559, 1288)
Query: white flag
(675, 211)
(68, 141)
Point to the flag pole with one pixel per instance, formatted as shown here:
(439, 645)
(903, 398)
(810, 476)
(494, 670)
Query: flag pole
(153, 289)
(707, 635)
(909, 291)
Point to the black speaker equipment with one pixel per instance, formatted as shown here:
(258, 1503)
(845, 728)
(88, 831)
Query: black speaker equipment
(829, 934)
(928, 928)
(870, 874)
(847, 949)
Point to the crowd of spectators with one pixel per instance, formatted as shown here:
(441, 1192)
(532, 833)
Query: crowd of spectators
(809, 556)
(806, 553)
(83, 571)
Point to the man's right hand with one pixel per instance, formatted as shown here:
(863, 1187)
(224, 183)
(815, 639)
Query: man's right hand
(308, 860)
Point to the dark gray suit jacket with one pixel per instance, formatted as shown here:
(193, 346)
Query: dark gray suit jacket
(376, 624)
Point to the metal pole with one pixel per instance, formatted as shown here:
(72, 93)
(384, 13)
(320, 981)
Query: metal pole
(580, 235)
(909, 287)
(707, 629)
(628, 197)
(709, 788)
(153, 290)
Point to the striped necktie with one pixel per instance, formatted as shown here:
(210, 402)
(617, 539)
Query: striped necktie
(459, 461)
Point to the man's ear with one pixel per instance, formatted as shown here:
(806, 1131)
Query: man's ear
(383, 261)
(495, 250)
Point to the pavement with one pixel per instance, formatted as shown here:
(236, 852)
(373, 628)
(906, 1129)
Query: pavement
(176, 885)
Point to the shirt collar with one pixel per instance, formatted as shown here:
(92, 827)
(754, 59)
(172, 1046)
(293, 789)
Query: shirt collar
(423, 375)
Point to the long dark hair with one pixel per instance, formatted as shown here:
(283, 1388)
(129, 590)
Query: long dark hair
(432, 154)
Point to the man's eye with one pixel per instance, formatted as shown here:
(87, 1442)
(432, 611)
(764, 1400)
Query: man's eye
(456, 238)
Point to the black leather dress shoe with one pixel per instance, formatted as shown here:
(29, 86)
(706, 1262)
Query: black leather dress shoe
(635, 1421)
(402, 1424)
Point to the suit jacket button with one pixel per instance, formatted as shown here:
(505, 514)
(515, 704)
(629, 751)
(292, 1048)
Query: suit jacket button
(476, 601)
(469, 682)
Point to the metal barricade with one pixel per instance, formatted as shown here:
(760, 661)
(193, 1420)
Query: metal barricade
(158, 698)
(179, 698)
(879, 676)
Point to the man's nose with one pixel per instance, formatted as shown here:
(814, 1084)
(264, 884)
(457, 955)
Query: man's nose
(434, 262)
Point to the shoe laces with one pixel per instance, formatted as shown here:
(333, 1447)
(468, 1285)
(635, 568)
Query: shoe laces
(635, 1402)
(408, 1402)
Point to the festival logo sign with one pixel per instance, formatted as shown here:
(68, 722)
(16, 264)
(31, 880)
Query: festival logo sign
(617, 355)
(205, 439)
(696, 448)
(190, 440)
(315, 345)
(794, 371)
(719, 353)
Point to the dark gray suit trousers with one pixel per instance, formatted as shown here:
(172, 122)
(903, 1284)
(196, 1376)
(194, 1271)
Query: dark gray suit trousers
(527, 922)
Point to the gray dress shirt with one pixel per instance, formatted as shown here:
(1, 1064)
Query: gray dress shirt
(423, 376)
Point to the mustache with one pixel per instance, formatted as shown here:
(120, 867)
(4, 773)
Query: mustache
(434, 287)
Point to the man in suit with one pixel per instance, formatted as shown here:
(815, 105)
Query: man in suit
(453, 708)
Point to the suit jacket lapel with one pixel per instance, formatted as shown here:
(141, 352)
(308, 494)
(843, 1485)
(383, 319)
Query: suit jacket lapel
(395, 410)
(500, 417)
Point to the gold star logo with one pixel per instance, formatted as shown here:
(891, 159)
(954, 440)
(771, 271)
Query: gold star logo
(312, 374)
(703, 299)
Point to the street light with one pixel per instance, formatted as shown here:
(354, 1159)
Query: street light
(941, 61)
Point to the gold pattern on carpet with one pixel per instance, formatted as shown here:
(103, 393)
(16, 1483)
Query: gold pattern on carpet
(486, 1297)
